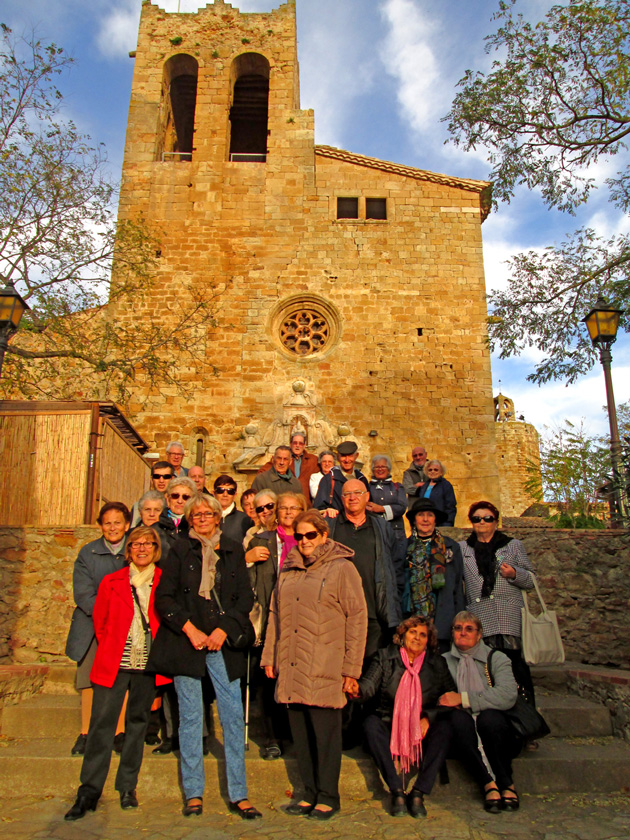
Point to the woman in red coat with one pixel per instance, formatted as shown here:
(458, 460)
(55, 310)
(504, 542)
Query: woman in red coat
(124, 621)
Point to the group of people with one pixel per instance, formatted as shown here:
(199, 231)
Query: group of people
(316, 593)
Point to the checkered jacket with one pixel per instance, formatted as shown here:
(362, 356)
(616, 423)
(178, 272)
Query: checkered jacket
(501, 611)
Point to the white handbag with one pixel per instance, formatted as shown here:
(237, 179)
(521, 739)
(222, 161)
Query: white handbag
(542, 644)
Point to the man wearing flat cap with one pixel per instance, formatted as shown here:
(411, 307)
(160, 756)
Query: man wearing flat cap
(328, 496)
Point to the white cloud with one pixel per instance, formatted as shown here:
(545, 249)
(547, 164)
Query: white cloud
(118, 30)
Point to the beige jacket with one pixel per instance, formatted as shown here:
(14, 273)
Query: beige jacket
(317, 627)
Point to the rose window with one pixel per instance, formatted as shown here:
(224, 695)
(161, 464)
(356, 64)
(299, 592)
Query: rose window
(304, 332)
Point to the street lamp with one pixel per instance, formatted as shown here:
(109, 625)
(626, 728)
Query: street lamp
(12, 307)
(603, 322)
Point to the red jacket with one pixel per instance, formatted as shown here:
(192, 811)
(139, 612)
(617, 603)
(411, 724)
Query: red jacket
(112, 616)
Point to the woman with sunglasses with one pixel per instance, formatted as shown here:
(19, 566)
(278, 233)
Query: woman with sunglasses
(497, 571)
(268, 550)
(172, 523)
(315, 649)
(124, 617)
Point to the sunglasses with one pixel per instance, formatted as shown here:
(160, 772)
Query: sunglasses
(183, 496)
(268, 506)
(477, 519)
(309, 535)
(230, 490)
(167, 476)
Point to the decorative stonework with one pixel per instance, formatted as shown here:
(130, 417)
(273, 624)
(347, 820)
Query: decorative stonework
(305, 326)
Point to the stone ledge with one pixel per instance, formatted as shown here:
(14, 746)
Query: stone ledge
(20, 681)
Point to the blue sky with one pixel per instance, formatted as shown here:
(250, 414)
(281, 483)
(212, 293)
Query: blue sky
(380, 74)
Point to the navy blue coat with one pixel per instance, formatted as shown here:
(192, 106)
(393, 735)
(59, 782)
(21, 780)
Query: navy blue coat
(443, 497)
(334, 481)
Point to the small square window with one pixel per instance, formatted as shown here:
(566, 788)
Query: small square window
(376, 208)
(347, 208)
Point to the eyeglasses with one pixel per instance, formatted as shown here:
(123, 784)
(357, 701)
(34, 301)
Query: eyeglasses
(230, 490)
(156, 476)
(199, 516)
(309, 535)
(268, 506)
(144, 546)
(465, 628)
(291, 509)
(357, 493)
(183, 496)
(477, 519)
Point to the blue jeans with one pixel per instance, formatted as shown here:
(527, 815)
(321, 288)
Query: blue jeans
(230, 708)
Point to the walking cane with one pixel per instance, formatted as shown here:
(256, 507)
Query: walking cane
(249, 653)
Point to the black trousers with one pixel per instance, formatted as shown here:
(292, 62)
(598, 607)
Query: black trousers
(500, 743)
(106, 706)
(317, 740)
(465, 748)
(274, 715)
(435, 748)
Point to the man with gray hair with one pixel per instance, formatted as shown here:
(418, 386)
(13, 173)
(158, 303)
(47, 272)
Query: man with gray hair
(303, 464)
(279, 478)
(175, 455)
(415, 476)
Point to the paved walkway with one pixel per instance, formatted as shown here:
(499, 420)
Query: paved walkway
(553, 817)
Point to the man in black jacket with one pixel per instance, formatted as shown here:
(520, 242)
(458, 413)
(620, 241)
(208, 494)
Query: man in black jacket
(328, 496)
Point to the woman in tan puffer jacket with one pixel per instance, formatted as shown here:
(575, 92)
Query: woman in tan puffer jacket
(314, 644)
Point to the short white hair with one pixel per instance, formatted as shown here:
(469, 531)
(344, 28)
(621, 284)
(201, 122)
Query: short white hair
(173, 444)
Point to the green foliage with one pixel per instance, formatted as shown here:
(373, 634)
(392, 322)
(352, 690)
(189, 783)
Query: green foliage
(176, 41)
(553, 107)
(58, 240)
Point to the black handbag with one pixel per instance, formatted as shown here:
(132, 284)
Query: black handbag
(524, 717)
(148, 638)
(245, 638)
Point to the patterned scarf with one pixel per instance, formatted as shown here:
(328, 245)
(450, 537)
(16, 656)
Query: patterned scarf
(209, 558)
(406, 741)
(288, 542)
(141, 580)
(426, 559)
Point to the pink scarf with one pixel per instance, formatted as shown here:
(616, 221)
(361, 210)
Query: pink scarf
(288, 542)
(406, 741)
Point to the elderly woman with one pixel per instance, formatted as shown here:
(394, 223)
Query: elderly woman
(486, 693)
(203, 598)
(389, 500)
(497, 571)
(406, 727)
(150, 507)
(326, 461)
(316, 651)
(434, 570)
(439, 490)
(172, 523)
(123, 616)
(96, 559)
(274, 546)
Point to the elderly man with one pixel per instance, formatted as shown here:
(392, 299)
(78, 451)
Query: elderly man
(197, 475)
(303, 464)
(279, 478)
(175, 455)
(330, 488)
(235, 523)
(415, 476)
(372, 540)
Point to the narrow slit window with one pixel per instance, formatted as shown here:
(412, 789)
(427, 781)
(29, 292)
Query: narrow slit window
(376, 208)
(347, 208)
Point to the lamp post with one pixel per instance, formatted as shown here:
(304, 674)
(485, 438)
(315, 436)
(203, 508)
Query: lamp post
(603, 322)
(12, 307)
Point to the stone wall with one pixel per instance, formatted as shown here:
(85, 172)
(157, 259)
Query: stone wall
(517, 450)
(583, 576)
(36, 600)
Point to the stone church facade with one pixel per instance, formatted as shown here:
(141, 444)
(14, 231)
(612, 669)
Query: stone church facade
(351, 297)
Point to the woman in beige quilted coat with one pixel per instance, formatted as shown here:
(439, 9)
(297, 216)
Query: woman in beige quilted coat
(314, 645)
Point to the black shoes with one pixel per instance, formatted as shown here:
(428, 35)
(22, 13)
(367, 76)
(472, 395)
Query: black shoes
(398, 803)
(79, 745)
(318, 814)
(119, 740)
(271, 752)
(81, 806)
(164, 748)
(297, 810)
(128, 799)
(415, 804)
(492, 804)
(250, 813)
(511, 802)
(193, 809)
